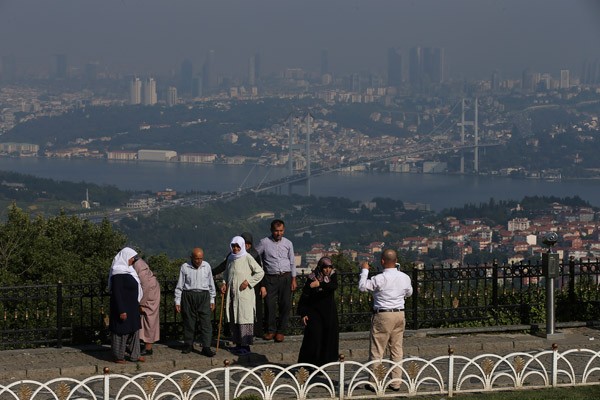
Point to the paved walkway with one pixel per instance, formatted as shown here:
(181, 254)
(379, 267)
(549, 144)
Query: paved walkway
(77, 362)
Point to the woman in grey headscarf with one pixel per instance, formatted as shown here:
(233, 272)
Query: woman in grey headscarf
(241, 275)
(125, 295)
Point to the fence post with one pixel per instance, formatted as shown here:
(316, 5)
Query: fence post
(415, 297)
(572, 283)
(59, 314)
(495, 283)
(450, 371)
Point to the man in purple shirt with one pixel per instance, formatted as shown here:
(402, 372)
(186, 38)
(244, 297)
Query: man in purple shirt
(279, 264)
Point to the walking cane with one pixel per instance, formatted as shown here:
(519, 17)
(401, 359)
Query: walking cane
(220, 321)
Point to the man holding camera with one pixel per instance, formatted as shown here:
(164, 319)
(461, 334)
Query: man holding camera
(389, 288)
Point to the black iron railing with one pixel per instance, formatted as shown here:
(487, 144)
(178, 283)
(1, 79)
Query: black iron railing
(444, 295)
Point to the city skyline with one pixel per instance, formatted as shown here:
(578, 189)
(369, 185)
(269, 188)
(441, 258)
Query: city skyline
(154, 37)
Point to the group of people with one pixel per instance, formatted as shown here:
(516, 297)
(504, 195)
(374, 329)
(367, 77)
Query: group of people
(252, 275)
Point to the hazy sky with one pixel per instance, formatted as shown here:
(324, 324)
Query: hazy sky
(140, 36)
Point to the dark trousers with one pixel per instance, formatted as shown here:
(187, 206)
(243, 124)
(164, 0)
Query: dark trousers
(279, 297)
(195, 312)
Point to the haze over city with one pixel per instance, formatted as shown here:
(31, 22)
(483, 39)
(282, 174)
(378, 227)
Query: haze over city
(155, 36)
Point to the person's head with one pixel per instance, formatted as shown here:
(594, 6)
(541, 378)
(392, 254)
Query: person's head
(237, 244)
(247, 236)
(389, 258)
(197, 257)
(277, 229)
(325, 265)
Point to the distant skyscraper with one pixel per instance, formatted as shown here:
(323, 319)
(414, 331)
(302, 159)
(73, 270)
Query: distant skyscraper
(149, 91)
(426, 66)
(61, 66)
(324, 62)
(186, 77)
(415, 67)
(209, 76)
(527, 81)
(252, 77)
(495, 81)
(438, 65)
(394, 67)
(356, 87)
(565, 81)
(433, 65)
(171, 96)
(91, 71)
(197, 89)
(9, 68)
(135, 91)
(591, 72)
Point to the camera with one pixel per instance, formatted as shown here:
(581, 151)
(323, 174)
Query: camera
(550, 239)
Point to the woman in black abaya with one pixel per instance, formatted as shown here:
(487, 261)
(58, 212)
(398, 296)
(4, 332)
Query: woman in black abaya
(318, 312)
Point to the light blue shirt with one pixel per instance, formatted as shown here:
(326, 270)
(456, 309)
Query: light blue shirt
(197, 279)
(278, 257)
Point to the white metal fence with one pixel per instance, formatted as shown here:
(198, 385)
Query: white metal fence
(444, 375)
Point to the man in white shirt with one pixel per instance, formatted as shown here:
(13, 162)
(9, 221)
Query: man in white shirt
(195, 299)
(389, 288)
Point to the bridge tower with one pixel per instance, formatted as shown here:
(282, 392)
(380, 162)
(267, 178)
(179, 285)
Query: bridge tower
(308, 121)
(475, 125)
(294, 132)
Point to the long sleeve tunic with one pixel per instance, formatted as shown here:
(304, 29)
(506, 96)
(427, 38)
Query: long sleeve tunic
(244, 302)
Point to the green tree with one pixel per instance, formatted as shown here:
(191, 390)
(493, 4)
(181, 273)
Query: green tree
(61, 248)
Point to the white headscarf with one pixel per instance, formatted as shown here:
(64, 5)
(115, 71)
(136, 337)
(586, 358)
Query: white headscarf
(120, 265)
(240, 242)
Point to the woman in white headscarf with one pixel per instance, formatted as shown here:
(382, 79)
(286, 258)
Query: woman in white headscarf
(241, 275)
(125, 295)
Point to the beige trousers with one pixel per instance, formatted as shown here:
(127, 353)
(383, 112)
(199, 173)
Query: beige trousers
(387, 331)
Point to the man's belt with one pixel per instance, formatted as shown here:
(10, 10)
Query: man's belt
(280, 273)
(387, 310)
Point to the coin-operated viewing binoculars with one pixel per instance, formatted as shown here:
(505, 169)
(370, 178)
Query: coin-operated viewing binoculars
(550, 260)
(551, 269)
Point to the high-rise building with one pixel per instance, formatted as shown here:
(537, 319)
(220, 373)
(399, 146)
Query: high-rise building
(9, 69)
(171, 96)
(149, 90)
(197, 89)
(257, 67)
(591, 72)
(91, 71)
(186, 77)
(438, 65)
(62, 69)
(324, 62)
(426, 66)
(394, 67)
(135, 91)
(565, 81)
(527, 81)
(209, 75)
(495, 81)
(252, 76)
(415, 67)
(433, 65)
